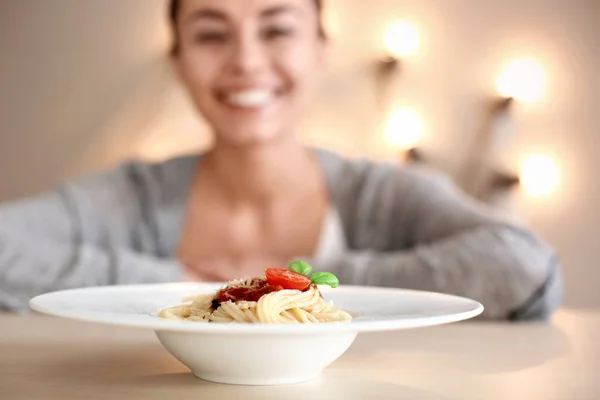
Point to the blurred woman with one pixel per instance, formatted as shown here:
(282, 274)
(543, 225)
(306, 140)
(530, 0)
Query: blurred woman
(258, 198)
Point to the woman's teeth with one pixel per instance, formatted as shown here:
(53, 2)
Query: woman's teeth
(250, 98)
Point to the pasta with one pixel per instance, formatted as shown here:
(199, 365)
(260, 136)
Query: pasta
(256, 300)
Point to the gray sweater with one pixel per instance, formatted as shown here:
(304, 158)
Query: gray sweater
(403, 228)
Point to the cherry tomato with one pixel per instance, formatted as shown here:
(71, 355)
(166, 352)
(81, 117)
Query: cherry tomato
(287, 278)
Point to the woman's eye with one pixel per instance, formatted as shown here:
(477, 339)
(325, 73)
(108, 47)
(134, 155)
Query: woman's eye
(211, 37)
(276, 33)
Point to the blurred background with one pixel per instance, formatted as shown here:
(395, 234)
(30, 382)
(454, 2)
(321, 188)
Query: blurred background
(477, 87)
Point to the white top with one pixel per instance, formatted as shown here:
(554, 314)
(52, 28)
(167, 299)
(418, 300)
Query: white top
(332, 243)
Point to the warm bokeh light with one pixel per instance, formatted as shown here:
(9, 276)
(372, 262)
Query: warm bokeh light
(539, 175)
(404, 129)
(522, 79)
(401, 39)
(331, 21)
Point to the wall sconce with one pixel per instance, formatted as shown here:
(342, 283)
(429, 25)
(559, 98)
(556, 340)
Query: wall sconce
(539, 175)
(522, 79)
(404, 130)
(401, 40)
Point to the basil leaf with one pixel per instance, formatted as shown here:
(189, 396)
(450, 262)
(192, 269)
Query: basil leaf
(325, 278)
(301, 267)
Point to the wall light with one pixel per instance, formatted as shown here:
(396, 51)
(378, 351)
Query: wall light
(404, 129)
(539, 175)
(523, 79)
(401, 39)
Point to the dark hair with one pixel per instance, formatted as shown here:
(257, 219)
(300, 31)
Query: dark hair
(174, 12)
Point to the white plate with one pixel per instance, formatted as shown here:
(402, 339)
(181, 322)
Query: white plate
(374, 309)
(227, 353)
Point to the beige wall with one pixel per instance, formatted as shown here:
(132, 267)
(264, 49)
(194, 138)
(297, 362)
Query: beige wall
(85, 84)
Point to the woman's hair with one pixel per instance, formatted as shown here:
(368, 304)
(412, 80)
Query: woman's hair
(174, 12)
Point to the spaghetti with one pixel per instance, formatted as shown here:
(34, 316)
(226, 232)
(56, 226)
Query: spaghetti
(257, 300)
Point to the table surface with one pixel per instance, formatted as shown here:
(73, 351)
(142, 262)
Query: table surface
(44, 357)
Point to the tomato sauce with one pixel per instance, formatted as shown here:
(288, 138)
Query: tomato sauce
(259, 288)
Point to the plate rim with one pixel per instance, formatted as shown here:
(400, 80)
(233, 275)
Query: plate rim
(164, 325)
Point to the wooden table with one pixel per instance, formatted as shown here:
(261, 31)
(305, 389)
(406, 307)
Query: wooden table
(43, 358)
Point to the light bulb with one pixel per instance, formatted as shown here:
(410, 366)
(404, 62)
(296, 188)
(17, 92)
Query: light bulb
(539, 175)
(401, 39)
(523, 79)
(404, 129)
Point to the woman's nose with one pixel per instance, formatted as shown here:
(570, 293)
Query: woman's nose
(248, 55)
